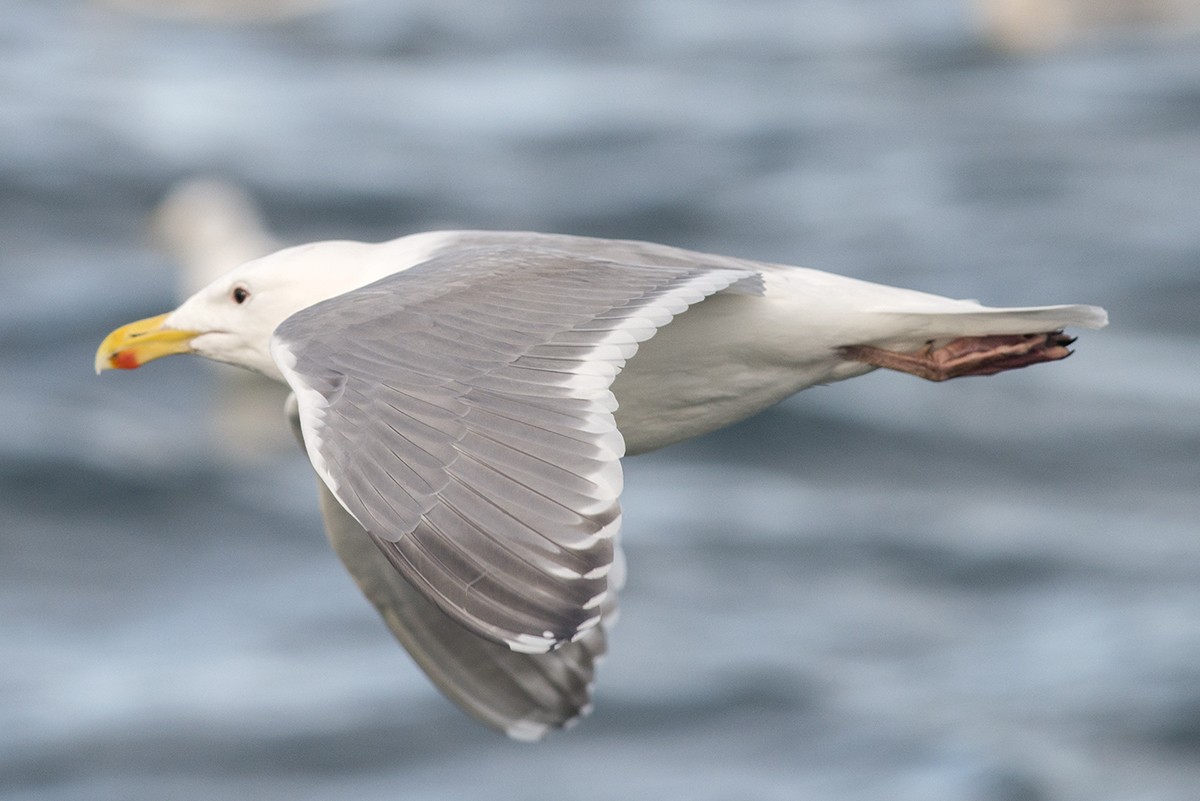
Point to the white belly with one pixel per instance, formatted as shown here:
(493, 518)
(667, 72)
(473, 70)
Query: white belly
(733, 355)
(721, 361)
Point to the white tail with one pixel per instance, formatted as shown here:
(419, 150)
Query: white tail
(975, 320)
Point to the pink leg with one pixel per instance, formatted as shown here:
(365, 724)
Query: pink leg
(984, 355)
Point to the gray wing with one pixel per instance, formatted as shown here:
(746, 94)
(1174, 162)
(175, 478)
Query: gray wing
(525, 695)
(460, 411)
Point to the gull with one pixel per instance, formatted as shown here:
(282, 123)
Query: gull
(465, 398)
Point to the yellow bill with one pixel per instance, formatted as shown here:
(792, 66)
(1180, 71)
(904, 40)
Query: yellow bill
(139, 342)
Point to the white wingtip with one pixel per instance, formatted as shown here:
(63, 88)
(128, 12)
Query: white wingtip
(527, 731)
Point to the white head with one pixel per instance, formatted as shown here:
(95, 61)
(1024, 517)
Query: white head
(231, 320)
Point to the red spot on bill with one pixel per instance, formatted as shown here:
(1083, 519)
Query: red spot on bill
(125, 360)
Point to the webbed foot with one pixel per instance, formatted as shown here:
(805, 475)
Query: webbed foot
(982, 355)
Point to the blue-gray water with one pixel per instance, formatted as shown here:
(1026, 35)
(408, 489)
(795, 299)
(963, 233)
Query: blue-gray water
(986, 590)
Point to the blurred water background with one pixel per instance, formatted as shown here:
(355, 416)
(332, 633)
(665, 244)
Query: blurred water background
(887, 589)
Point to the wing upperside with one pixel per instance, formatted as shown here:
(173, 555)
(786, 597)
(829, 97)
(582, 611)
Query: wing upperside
(480, 452)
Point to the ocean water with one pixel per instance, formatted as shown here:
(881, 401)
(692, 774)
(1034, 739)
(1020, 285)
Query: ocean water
(884, 589)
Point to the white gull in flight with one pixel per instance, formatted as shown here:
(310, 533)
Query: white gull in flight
(465, 398)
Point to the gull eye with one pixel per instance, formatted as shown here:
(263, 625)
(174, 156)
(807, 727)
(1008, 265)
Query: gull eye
(240, 294)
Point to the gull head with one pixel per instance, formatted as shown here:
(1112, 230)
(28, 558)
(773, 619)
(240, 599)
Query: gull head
(231, 320)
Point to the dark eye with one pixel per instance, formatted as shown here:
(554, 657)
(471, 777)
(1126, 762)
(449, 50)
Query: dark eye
(240, 295)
